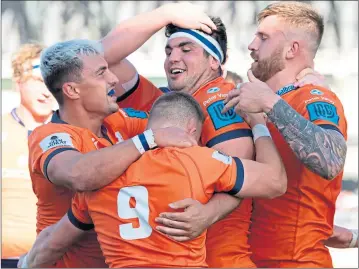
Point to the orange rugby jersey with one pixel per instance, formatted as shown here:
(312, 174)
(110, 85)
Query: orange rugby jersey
(293, 226)
(124, 212)
(54, 201)
(222, 250)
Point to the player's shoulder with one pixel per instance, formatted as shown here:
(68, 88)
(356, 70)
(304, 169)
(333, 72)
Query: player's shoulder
(314, 93)
(128, 112)
(53, 134)
(217, 90)
(205, 154)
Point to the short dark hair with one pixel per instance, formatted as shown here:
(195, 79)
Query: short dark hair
(220, 35)
(176, 107)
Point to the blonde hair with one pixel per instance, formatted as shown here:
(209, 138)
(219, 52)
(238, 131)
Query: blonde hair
(299, 15)
(21, 61)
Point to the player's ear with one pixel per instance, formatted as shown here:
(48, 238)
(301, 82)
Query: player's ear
(71, 90)
(293, 50)
(193, 128)
(215, 64)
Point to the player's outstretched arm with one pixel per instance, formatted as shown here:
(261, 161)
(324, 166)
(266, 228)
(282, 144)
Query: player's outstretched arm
(265, 177)
(96, 169)
(131, 34)
(51, 244)
(343, 238)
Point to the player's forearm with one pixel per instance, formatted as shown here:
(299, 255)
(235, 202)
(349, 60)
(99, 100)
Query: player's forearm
(98, 168)
(219, 206)
(41, 253)
(276, 179)
(131, 34)
(322, 151)
(342, 238)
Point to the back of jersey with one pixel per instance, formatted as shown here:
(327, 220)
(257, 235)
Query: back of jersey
(124, 212)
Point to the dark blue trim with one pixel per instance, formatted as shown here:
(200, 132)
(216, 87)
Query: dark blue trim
(104, 133)
(330, 127)
(56, 118)
(16, 117)
(9, 263)
(78, 224)
(240, 177)
(144, 142)
(164, 89)
(128, 93)
(204, 41)
(51, 155)
(228, 136)
(35, 66)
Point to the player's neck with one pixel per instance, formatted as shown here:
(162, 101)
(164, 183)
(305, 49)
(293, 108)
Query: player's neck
(29, 120)
(203, 80)
(81, 118)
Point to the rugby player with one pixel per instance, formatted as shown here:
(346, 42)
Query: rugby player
(35, 108)
(123, 213)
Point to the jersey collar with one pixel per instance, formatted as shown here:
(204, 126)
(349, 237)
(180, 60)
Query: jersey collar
(56, 119)
(286, 89)
(209, 84)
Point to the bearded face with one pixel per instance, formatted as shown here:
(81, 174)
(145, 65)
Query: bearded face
(265, 68)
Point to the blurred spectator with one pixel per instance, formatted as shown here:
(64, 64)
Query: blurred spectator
(18, 198)
(232, 77)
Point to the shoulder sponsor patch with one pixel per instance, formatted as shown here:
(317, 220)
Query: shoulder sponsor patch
(221, 120)
(316, 92)
(135, 113)
(56, 140)
(222, 157)
(213, 90)
(323, 111)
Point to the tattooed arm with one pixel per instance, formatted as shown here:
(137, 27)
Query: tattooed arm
(321, 150)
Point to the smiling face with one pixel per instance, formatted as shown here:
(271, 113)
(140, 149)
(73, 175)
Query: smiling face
(267, 49)
(187, 66)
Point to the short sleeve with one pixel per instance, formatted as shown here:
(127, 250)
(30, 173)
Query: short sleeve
(78, 213)
(322, 107)
(219, 127)
(47, 141)
(219, 172)
(125, 123)
(141, 96)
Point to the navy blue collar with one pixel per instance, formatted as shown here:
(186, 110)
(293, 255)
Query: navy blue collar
(286, 89)
(56, 119)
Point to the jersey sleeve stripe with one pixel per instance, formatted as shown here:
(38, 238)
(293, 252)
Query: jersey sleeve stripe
(129, 92)
(330, 127)
(228, 136)
(51, 155)
(240, 177)
(78, 224)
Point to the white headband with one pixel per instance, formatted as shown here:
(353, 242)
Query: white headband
(208, 43)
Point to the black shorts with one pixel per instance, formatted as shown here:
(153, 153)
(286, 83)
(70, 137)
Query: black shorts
(9, 263)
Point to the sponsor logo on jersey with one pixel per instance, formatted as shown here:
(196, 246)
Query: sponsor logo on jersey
(222, 157)
(221, 120)
(56, 140)
(316, 92)
(213, 90)
(323, 111)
